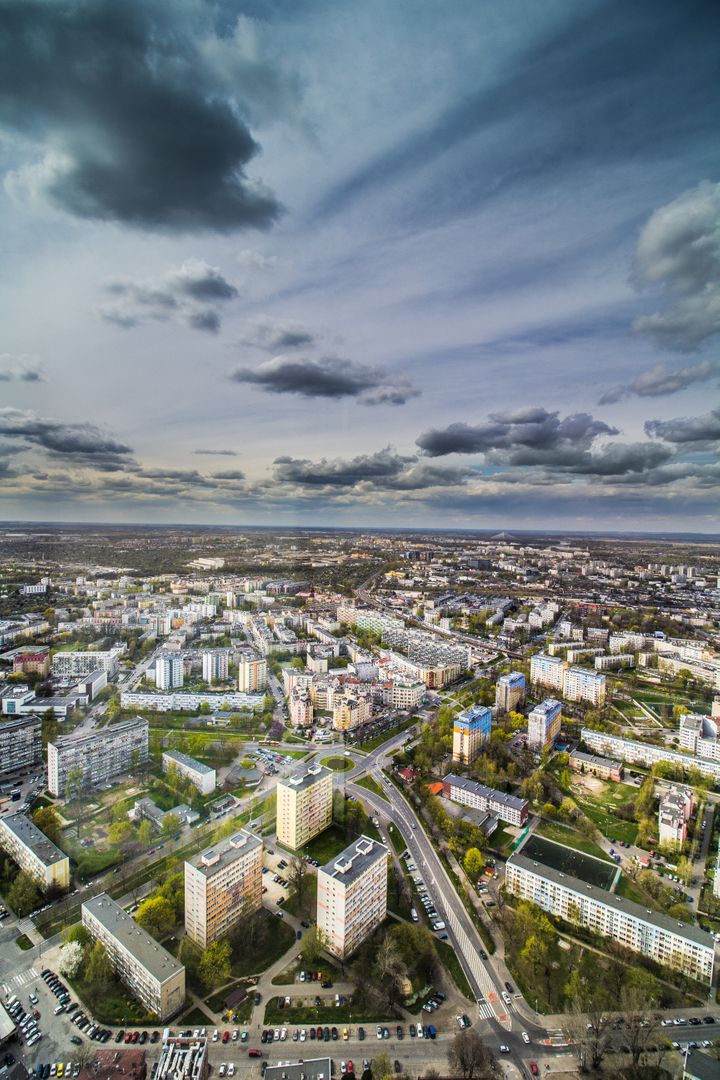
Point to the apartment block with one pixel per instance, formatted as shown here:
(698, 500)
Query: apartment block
(150, 973)
(215, 665)
(169, 671)
(97, 755)
(202, 776)
(352, 895)
(581, 684)
(32, 660)
(677, 945)
(252, 674)
(34, 852)
(69, 665)
(304, 805)
(604, 768)
(638, 753)
(222, 885)
(471, 730)
(548, 671)
(173, 700)
(470, 793)
(350, 711)
(544, 724)
(301, 708)
(674, 812)
(510, 692)
(20, 744)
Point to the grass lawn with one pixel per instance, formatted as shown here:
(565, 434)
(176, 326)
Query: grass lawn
(503, 841)
(258, 955)
(398, 841)
(23, 942)
(196, 1018)
(395, 898)
(601, 808)
(452, 965)
(115, 1006)
(300, 1015)
(630, 891)
(338, 764)
(565, 834)
(327, 845)
(372, 785)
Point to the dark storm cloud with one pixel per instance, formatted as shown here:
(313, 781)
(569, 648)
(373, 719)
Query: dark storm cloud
(81, 440)
(276, 335)
(339, 472)
(610, 82)
(329, 377)
(19, 369)
(535, 429)
(177, 294)
(687, 429)
(217, 453)
(136, 123)
(229, 474)
(661, 380)
(679, 248)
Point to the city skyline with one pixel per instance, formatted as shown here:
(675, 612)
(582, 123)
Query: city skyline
(281, 264)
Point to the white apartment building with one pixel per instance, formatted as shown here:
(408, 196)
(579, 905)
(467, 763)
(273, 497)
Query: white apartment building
(470, 793)
(699, 735)
(34, 853)
(548, 671)
(352, 895)
(222, 885)
(151, 974)
(20, 744)
(601, 742)
(182, 1056)
(215, 665)
(252, 674)
(407, 695)
(304, 805)
(509, 692)
(544, 723)
(169, 671)
(583, 685)
(180, 700)
(673, 944)
(97, 755)
(618, 660)
(69, 665)
(202, 776)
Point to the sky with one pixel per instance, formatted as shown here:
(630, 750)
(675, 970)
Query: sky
(428, 263)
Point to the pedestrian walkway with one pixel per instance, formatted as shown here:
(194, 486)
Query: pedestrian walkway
(16, 982)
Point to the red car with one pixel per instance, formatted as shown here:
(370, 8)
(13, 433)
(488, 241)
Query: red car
(135, 1036)
(128, 1037)
(226, 1036)
(534, 1068)
(254, 1053)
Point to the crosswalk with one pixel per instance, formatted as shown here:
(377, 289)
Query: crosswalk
(492, 1007)
(18, 981)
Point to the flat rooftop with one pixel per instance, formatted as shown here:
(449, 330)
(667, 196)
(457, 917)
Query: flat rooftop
(15, 723)
(654, 918)
(156, 960)
(305, 777)
(355, 859)
(34, 839)
(187, 761)
(110, 732)
(313, 1069)
(225, 852)
(485, 792)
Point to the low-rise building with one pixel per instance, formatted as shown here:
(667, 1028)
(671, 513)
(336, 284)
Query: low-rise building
(352, 895)
(148, 970)
(201, 776)
(34, 852)
(506, 807)
(222, 885)
(603, 767)
(673, 944)
(183, 1057)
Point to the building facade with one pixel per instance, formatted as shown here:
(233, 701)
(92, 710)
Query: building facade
(252, 674)
(471, 730)
(169, 671)
(34, 853)
(69, 665)
(352, 895)
(605, 768)
(215, 665)
(548, 671)
(510, 692)
(202, 776)
(668, 942)
(151, 974)
(97, 755)
(470, 793)
(583, 685)
(20, 744)
(544, 724)
(304, 805)
(222, 885)
(638, 753)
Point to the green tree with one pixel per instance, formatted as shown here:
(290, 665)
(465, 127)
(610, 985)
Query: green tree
(74, 784)
(684, 870)
(145, 833)
(157, 916)
(473, 863)
(214, 967)
(170, 825)
(48, 821)
(98, 969)
(48, 727)
(23, 896)
(314, 944)
(80, 934)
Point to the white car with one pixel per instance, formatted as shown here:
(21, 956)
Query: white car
(283, 1034)
(231, 1069)
(302, 1035)
(235, 1035)
(525, 1037)
(378, 1032)
(223, 1069)
(215, 1036)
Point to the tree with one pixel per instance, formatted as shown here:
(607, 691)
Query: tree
(47, 820)
(80, 934)
(170, 825)
(74, 784)
(23, 896)
(70, 958)
(636, 1001)
(98, 970)
(473, 863)
(470, 1058)
(214, 967)
(48, 727)
(684, 870)
(157, 916)
(314, 945)
(145, 833)
(297, 876)
(382, 1067)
